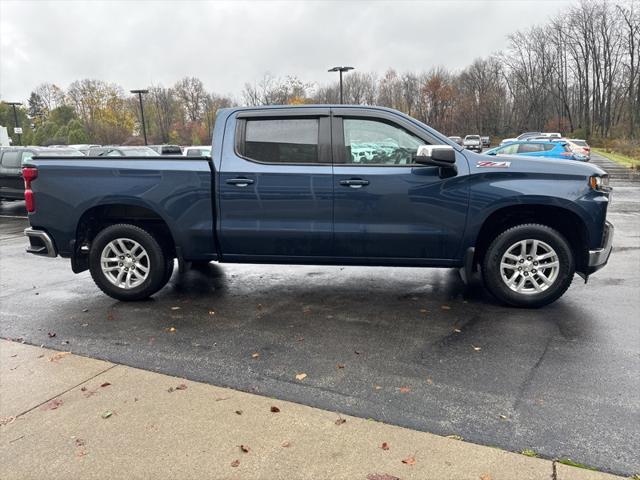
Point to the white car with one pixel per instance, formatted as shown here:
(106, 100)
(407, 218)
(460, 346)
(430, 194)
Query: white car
(473, 142)
(580, 147)
(197, 151)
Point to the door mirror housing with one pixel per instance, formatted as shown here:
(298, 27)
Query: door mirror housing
(436, 155)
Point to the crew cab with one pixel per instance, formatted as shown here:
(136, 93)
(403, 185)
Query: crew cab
(330, 185)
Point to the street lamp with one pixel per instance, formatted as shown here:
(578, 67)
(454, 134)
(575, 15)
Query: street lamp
(17, 130)
(340, 69)
(144, 128)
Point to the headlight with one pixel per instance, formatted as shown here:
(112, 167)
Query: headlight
(600, 183)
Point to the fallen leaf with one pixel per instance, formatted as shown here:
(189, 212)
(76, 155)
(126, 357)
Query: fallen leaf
(170, 389)
(245, 448)
(58, 356)
(85, 310)
(211, 312)
(175, 308)
(171, 329)
(357, 352)
(79, 442)
(377, 387)
(85, 324)
(107, 414)
(410, 460)
(14, 355)
(255, 355)
(52, 405)
(105, 384)
(381, 476)
(340, 421)
(423, 310)
(235, 463)
(485, 476)
(301, 376)
(384, 446)
(83, 389)
(429, 381)
(51, 334)
(445, 307)
(405, 389)
(275, 409)
(238, 412)
(300, 339)
(477, 349)
(182, 386)
(503, 417)
(340, 365)
(457, 330)
(286, 444)
(455, 437)
(7, 420)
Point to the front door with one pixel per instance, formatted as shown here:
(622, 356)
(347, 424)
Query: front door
(386, 206)
(275, 187)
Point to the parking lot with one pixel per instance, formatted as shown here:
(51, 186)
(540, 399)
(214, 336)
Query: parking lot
(412, 347)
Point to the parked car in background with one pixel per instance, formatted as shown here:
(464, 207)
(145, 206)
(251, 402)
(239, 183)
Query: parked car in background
(197, 151)
(280, 188)
(551, 135)
(458, 140)
(166, 149)
(538, 148)
(122, 151)
(486, 141)
(11, 160)
(472, 142)
(83, 147)
(580, 146)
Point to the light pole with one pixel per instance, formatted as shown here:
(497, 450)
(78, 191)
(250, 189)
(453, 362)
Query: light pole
(340, 69)
(144, 128)
(16, 130)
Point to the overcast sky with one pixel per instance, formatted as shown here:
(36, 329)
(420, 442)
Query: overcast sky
(225, 44)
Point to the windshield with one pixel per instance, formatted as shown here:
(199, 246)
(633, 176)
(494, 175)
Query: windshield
(472, 137)
(60, 152)
(580, 143)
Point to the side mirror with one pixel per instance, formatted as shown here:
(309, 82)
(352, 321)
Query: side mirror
(436, 155)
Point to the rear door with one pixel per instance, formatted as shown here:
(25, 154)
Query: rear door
(386, 208)
(275, 186)
(11, 182)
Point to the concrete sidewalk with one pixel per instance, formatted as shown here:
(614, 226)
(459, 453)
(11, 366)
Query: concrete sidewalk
(65, 416)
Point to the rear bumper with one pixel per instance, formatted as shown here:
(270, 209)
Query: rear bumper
(599, 258)
(40, 243)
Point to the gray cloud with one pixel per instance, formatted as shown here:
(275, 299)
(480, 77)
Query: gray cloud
(227, 44)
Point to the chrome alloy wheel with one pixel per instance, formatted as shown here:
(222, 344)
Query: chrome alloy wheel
(125, 263)
(529, 266)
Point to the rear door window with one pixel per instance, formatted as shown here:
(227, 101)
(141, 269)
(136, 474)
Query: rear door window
(531, 147)
(288, 140)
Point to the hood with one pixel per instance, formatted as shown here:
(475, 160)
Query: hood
(524, 164)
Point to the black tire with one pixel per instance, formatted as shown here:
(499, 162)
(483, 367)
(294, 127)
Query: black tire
(159, 272)
(492, 272)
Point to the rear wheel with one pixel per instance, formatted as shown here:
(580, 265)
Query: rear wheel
(127, 263)
(528, 265)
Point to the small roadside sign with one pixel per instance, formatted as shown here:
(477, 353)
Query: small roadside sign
(17, 130)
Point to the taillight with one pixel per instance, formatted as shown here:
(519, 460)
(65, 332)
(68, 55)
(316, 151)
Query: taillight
(29, 174)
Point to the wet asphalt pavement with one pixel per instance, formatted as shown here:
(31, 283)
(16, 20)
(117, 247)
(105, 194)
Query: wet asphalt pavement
(412, 347)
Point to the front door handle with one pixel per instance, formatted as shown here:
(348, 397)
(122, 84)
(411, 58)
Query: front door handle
(354, 183)
(240, 182)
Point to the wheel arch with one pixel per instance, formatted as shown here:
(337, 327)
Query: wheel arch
(565, 221)
(98, 217)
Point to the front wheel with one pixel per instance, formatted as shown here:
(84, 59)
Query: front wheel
(528, 265)
(128, 263)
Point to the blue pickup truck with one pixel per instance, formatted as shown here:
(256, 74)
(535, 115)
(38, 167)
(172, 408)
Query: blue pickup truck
(330, 185)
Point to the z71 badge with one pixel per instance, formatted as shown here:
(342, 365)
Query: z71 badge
(490, 164)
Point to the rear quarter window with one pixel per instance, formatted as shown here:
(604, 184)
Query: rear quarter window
(11, 160)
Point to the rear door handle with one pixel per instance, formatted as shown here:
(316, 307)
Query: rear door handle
(354, 183)
(240, 182)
